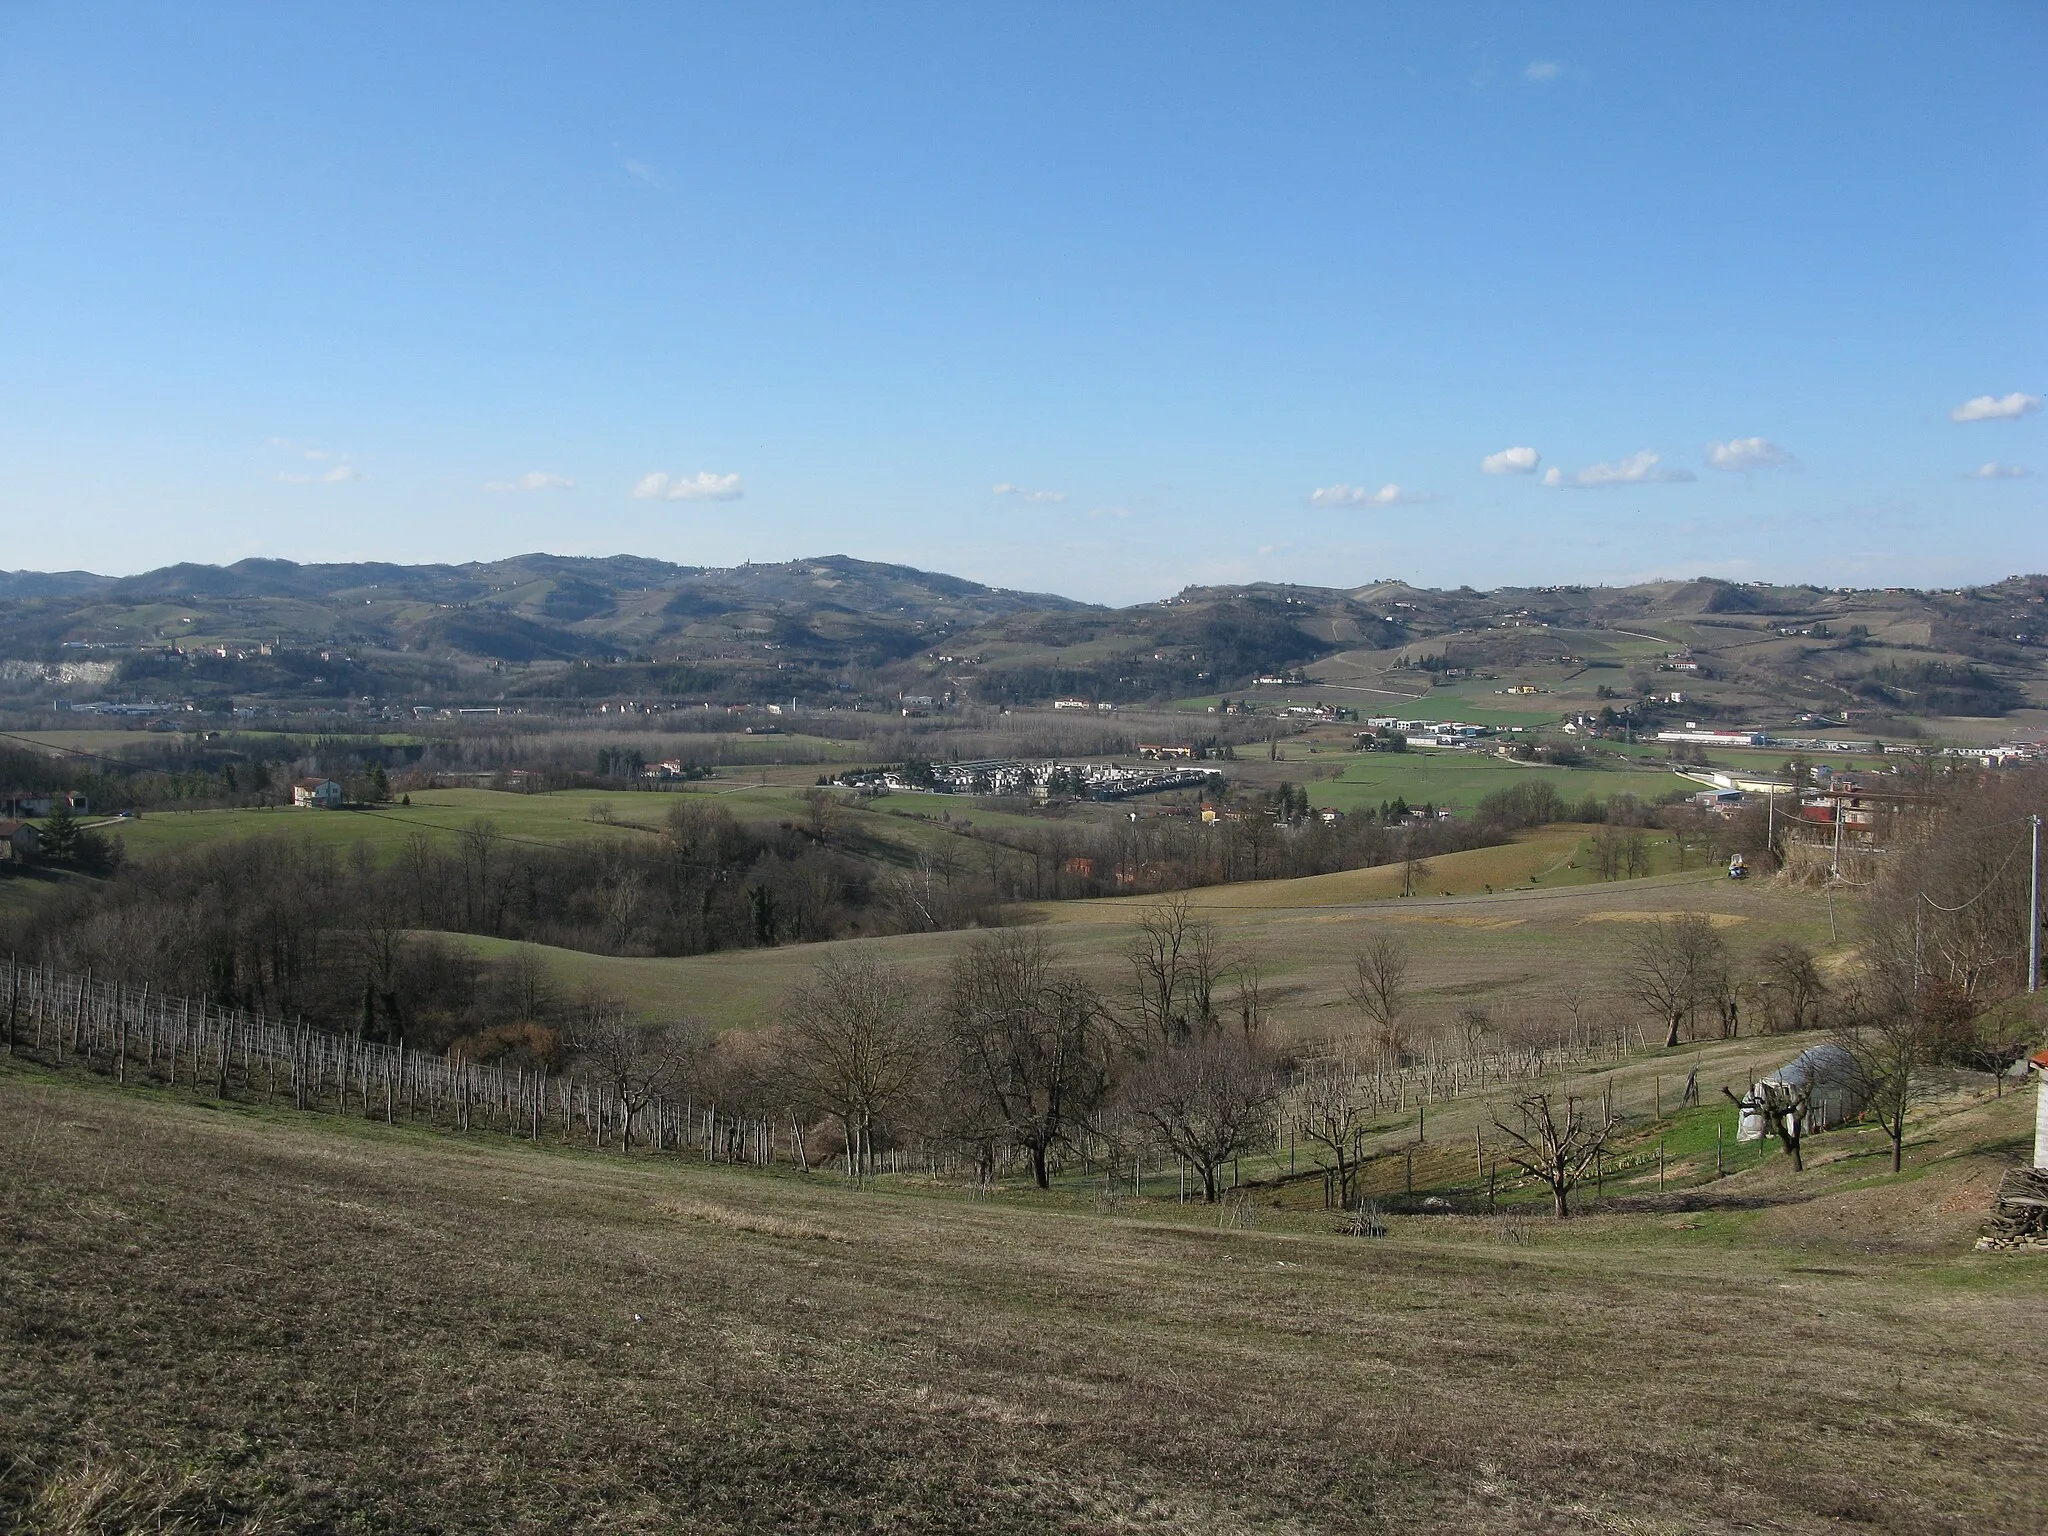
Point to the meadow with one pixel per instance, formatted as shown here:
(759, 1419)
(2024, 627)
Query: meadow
(1513, 949)
(1462, 778)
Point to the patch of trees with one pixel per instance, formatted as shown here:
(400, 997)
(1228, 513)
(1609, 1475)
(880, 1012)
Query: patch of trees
(1941, 688)
(1169, 853)
(274, 925)
(1017, 1057)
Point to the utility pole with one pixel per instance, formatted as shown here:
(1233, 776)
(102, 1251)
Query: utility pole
(2034, 914)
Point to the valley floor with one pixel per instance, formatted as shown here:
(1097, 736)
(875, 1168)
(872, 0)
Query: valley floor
(219, 1318)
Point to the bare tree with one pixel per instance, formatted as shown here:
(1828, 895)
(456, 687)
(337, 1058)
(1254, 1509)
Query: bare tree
(821, 812)
(1782, 1107)
(1557, 1143)
(1331, 1112)
(1672, 966)
(1206, 1100)
(1578, 996)
(1379, 989)
(1793, 990)
(637, 1064)
(1889, 1043)
(1248, 998)
(1474, 1024)
(856, 1043)
(1176, 964)
(1027, 1040)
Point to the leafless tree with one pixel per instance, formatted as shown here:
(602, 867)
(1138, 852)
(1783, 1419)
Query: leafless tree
(1794, 992)
(857, 1040)
(821, 812)
(1248, 999)
(636, 1064)
(1556, 1141)
(1579, 995)
(1474, 1024)
(1176, 964)
(530, 987)
(1026, 1037)
(1890, 1041)
(1783, 1109)
(1207, 1100)
(1331, 1112)
(1379, 989)
(1672, 967)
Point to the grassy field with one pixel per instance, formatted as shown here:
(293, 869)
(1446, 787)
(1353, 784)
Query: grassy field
(1511, 949)
(1461, 779)
(221, 1319)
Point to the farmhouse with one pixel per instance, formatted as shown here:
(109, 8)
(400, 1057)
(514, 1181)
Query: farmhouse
(40, 802)
(19, 841)
(321, 794)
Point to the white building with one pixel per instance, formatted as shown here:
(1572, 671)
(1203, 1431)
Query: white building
(321, 794)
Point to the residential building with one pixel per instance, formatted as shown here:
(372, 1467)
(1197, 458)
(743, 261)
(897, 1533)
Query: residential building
(320, 794)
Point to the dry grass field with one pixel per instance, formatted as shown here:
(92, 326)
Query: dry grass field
(1511, 948)
(217, 1319)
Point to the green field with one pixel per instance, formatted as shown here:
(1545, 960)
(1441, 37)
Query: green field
(1461, 779)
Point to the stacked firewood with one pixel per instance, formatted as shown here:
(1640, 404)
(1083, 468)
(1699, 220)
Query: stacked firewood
(2019, 1212)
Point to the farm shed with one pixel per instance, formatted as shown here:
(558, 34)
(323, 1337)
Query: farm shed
(1825, 1077)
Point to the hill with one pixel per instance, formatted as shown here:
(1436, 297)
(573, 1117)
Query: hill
(542, 628)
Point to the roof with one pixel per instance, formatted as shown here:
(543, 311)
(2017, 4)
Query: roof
(9, 828)
(312, 783)
(2039, 1059)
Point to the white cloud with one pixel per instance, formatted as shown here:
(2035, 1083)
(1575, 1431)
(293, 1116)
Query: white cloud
(640, 170)
(702, 486)
(1748, 453)
(1389, 495)
(1511, 461)
(2000, 472)
(339, 474)
(1024, 493)
(1542, 71)
(532, 480)
(1645, 468)
(1996, 407)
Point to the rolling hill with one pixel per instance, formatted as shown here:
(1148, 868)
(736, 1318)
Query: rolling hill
(541, 627)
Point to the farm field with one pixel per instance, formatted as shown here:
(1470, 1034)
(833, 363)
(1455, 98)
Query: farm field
(110, 742)
(222, 1318)
(1461, 779)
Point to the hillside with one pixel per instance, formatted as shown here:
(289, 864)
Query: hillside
(553, 632)
(231, 1318)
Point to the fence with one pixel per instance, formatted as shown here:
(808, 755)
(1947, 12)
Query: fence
(128, 1032)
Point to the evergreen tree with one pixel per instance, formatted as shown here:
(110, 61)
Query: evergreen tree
(60, 832)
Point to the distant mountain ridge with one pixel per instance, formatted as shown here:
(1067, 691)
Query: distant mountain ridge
(540, 626)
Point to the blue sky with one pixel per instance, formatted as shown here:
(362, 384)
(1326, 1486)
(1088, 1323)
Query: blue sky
(1103, 299)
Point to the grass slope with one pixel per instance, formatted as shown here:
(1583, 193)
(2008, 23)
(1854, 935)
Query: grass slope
(1510, 949)
(221, 1320)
